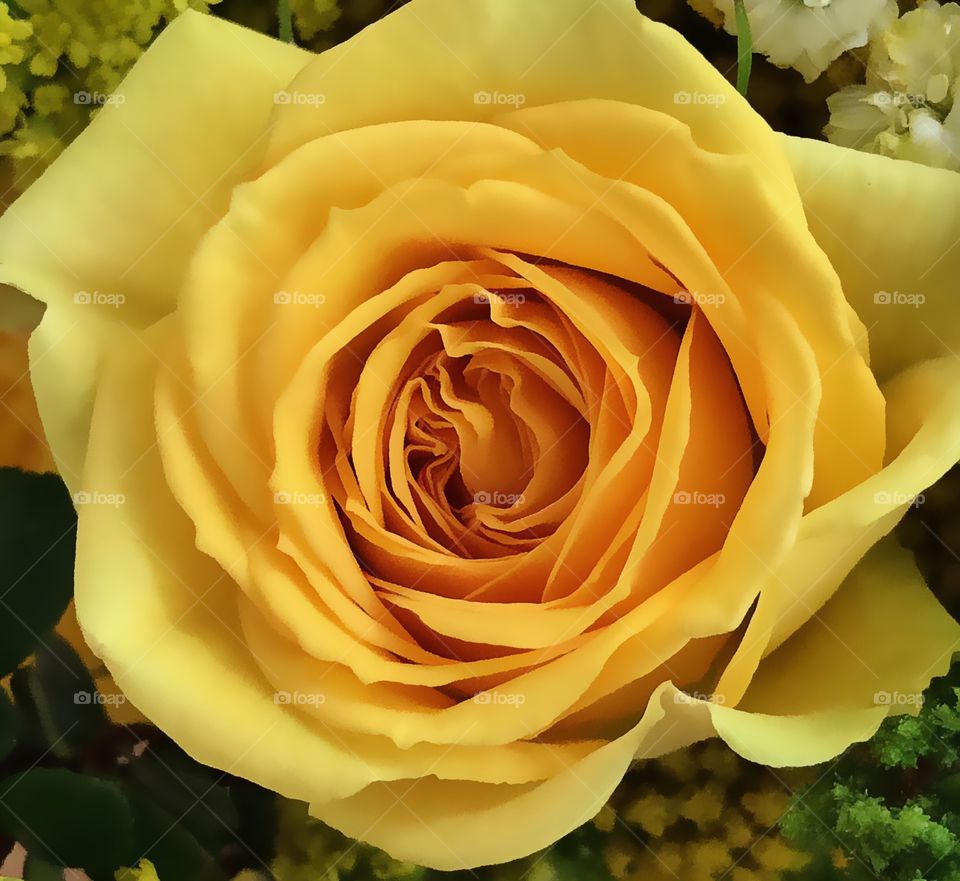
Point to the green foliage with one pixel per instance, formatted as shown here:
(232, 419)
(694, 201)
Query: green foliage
(8, 725)
(889, 807)
(75, 789)
(37, 538)
(58, 699)
(285, 21)
(69, 819)
(744, 47)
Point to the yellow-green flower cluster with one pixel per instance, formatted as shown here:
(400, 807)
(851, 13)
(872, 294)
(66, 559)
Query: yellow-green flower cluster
(700, 814)
(906, 108)
(307, 850)
(313, 16)
(59, 60)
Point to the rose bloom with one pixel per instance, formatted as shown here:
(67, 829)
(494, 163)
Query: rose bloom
(484, 404)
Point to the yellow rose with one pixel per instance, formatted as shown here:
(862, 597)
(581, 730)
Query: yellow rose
(448, 402)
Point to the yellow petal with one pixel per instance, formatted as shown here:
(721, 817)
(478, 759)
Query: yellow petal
(412, 819)
(118, 214)
(182, 659)
(473, 61)
(923, 428)
(890, 227)
(871, 649)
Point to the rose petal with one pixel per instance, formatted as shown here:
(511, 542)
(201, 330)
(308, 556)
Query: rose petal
(857, 206)
(144, 181)
(872, 649)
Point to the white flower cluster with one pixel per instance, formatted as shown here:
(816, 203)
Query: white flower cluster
(906, 108)
(805, 34)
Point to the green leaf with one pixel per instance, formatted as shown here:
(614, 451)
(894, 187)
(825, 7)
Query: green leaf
(69, 819)
(186, 789)
(58, 695)
(37, 538)
(744, 47)
(9, 725)
(37, 869)
(167, 843)
(285, 20)
(257, 809)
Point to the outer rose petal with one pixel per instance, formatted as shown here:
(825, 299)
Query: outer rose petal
(413, 821)
(145, 180)
(544, 52)
(888, 226)
(186, 632)
(882, 634)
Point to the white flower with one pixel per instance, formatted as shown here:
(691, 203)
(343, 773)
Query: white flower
(907, 108)
(807, 34)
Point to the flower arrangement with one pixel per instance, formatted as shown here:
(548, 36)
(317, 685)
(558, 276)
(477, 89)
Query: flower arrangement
(503, 439)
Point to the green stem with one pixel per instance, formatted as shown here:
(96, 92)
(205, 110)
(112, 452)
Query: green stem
(285, 19)
(744, 47)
